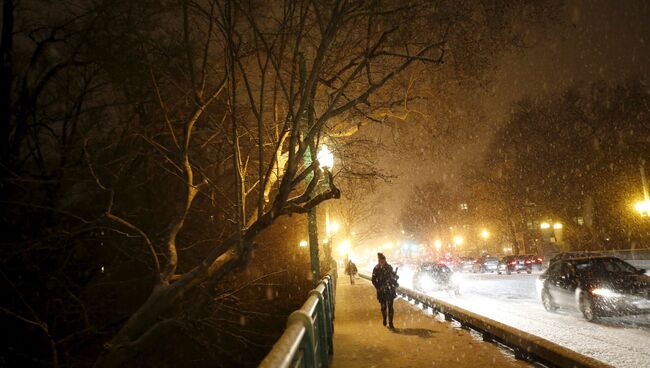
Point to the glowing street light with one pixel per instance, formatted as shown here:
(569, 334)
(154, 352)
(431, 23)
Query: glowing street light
(344, 247)
(458, 240)
(643, 208)
(485, 234)
(303, 243)
(437, 244)
(545, 225)
(557, 226)
(325, 157)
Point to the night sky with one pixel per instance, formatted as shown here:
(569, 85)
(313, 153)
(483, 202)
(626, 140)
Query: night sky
(595, 40)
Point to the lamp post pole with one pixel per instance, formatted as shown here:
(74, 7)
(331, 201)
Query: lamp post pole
(310, 152)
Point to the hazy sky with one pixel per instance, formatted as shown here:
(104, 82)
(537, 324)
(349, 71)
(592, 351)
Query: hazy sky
(599, 39)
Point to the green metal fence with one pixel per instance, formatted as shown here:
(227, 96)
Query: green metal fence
(308, 340)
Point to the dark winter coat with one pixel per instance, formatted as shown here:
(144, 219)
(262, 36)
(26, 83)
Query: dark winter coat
(385, 281)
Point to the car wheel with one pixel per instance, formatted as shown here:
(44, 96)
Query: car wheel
(547, 301)
(529, 271)
(499, 272)
(586, 306)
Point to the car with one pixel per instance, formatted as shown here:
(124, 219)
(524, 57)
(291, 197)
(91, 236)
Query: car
(509, 264)
(486, 264)
(465, 264)
(447, 261)
(536, 261)
(435, 276)
(595, 286)
(570, 255)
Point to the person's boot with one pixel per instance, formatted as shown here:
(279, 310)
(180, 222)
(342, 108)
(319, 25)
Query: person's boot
(391, 325)
(383, 314)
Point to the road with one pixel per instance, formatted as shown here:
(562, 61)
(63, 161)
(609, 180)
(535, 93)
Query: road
(511, 299)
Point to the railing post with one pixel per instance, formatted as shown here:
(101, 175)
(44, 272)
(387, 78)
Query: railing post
(323, 331)
(329, 312)
(302, 317)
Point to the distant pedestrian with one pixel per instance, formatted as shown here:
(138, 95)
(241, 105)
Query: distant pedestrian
(351, 269)
(385, 281)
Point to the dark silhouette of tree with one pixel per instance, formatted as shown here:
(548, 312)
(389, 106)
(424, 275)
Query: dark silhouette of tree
(147, 145)
(576, 158)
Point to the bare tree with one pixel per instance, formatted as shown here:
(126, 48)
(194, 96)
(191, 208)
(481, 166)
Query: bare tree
(200, 121)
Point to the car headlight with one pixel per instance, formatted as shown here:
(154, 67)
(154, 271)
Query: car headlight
(608, 293)
(426, 282)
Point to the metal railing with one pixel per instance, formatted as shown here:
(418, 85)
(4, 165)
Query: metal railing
(525, 346)
(308, 340)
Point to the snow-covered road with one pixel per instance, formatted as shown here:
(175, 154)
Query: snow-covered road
(622, 342)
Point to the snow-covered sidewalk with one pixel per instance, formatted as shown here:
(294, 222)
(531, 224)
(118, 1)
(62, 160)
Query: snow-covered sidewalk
(419, 340)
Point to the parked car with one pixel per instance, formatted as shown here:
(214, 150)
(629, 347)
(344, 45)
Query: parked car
(434, 276)
(509, 264)
(596, 286)
(486, 264)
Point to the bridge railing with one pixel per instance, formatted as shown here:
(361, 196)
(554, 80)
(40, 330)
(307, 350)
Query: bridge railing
(308, 339)
(525, 346)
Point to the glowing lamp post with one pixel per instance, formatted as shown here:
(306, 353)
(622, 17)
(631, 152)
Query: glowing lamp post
(458, 240)
(325, 158)
(643, 208)
(485, 235)
(326, 162)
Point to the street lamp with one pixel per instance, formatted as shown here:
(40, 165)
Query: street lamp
(303, 243)
(458, 240)
(437, 244)
(325, 158)
(485, 235)
(344, 248)
(557, 226)
(326, 161)
(545, 225)
(643, 208)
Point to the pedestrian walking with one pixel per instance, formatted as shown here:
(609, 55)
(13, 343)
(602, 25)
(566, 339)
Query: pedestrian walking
(351, 269)
(385, 281)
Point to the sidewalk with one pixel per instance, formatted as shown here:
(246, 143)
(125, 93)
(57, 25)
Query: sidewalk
(419, 340)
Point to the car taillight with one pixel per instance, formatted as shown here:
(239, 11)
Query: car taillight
(539, 259)
(529, 262)
(513, 262)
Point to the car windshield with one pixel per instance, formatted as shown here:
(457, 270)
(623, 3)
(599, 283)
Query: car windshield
(603, 266)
